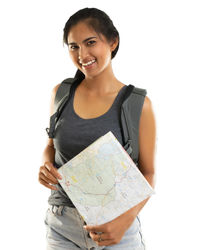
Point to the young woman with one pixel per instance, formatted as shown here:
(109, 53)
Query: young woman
(92, 110)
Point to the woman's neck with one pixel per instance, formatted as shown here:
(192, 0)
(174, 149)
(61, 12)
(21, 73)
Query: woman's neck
(101, 84)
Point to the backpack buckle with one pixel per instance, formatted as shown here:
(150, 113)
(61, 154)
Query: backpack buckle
(50, 133)
(128, 147)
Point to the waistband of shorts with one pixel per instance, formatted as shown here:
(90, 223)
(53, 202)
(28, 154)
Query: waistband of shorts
(58, 209)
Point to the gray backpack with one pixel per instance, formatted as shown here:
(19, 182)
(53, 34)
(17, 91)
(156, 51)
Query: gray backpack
(131, 110)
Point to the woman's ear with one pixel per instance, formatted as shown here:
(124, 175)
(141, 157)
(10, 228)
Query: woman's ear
(114, 43)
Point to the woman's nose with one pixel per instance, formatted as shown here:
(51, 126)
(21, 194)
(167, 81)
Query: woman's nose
(83, 53)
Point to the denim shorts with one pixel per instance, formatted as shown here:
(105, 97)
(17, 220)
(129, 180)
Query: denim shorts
(64, 231)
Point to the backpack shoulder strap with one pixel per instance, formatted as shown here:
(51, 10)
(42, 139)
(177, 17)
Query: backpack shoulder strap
(62, 92)
(139, 91)
(61, 96)
(132, 107)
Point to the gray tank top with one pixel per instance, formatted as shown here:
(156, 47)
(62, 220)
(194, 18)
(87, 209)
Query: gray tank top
(73, 134)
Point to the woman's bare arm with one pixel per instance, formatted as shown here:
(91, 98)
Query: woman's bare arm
(147, 148)
(48, 173)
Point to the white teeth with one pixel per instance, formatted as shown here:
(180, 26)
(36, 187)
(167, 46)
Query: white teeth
(88, 63)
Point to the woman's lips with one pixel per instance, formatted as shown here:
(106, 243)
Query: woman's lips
(91, 65)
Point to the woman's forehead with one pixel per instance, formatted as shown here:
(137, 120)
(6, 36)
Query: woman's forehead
(80, 32)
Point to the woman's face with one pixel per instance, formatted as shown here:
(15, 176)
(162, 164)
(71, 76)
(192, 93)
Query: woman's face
(90, 53)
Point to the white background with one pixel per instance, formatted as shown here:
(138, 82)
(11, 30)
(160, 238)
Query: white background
(159, 51)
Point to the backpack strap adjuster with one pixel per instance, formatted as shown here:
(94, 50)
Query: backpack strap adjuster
(53, 120)
(50, 134)
(128, 147)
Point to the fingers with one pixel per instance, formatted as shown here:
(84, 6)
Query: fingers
(102, 234)
(97, 228)
(48, 179)
(105, 243)
(52, 169)
(48, 175)
(47, 185)
(102, 239)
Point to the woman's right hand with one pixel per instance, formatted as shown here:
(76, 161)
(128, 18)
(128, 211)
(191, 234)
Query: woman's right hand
(48, 175)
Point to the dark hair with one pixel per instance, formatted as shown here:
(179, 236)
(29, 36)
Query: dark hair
(99, 21)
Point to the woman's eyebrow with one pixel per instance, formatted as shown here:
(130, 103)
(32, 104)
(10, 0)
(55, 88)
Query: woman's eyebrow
(85, 40)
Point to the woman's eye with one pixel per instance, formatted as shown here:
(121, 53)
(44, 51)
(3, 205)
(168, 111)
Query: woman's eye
(91, 42)
(73, 47)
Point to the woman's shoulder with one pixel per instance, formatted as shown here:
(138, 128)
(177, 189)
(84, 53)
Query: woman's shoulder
(147, 103)
(147, 109)
(55, 88)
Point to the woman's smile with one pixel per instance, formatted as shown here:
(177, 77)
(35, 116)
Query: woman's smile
(89, 65)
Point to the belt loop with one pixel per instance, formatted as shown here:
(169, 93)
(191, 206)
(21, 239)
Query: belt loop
(57, 209)
(60, 210)
(54, 209)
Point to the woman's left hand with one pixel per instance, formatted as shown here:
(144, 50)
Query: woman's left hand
(111, 232)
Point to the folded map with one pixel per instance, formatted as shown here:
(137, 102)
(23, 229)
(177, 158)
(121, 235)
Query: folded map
(103, 182)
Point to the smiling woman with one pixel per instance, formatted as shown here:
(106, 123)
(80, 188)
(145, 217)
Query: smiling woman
(89, 50)
(96, 103)
(96, 23)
